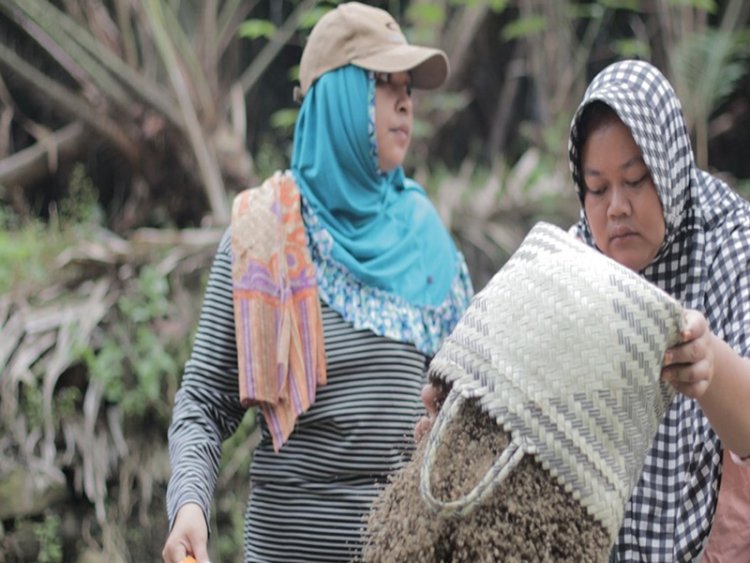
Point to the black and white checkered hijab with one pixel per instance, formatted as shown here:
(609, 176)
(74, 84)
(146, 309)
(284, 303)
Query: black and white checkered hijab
(704, 262)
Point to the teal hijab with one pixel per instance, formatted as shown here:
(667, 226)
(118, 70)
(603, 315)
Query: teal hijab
(384, 230)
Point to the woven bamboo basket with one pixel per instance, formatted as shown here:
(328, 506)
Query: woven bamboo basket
(563, 349)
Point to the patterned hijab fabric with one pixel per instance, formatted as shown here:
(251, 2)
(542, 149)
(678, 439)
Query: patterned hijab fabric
(278, 326)
(384, 259)
(704, 263)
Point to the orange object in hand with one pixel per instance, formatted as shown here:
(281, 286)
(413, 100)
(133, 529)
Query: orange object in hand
(189, 559)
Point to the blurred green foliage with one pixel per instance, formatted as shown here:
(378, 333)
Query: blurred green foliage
(47, 534)
(29, 246)
(135, 365)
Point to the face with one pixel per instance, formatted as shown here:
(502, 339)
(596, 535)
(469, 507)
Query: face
(393, 118)
(621, 201)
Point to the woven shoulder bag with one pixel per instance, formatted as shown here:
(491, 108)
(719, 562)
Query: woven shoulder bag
(563, 349)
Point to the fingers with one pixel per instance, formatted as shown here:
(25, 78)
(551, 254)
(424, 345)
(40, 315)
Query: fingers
(174, 552)
(688, 353)
(201, 553)
(433, 396)
(695, 326)
(430, 397)
(687, 373)
(188, 538)
(689, 366)
(423, 427)
(694, 390)
(179, 552)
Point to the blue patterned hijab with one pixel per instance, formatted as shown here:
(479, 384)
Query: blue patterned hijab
(375, 233)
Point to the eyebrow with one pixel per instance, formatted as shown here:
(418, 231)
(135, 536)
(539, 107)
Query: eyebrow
(638, 159)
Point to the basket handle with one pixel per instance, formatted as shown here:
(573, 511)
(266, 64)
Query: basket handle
(501, 468)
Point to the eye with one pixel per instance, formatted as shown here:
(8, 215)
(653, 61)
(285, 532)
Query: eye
(382, 78)
(386, 79)
(596, 190)
(638, 182)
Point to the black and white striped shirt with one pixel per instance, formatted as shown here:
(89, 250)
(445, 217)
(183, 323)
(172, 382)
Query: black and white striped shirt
(307, 502)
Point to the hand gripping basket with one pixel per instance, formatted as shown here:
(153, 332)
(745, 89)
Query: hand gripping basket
(563, 348)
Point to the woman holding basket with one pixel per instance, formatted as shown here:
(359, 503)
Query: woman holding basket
(645, 204)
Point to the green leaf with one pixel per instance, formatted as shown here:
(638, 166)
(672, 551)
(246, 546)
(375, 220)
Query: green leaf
(708, 67)
(630, 48)
(311, 17)
(426, 14)
(255, 29)
(497, 6)
(709, 6)
(524, 27)
(106, 365)
(27, 251)
(632, 5)
(284, 118)
(584, 11)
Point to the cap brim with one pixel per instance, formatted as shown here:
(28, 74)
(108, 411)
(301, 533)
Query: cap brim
(428, 67)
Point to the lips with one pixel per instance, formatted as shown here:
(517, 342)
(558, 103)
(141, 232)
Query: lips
(403, 130)
(621, 232)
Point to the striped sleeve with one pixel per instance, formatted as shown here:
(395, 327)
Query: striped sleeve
(207, 408)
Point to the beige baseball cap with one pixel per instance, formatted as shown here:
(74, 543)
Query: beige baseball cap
(367, 37)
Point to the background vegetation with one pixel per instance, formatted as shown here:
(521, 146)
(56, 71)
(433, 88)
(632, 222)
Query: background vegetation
(126, 126)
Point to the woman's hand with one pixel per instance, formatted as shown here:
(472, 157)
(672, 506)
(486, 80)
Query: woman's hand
(433, 397)
(689, 366)
(189, 536)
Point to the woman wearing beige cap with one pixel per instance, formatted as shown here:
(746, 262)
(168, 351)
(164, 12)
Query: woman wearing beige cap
(323, 306)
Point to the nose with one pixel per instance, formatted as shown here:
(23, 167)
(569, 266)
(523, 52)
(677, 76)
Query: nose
(403, 100)
(619, 204)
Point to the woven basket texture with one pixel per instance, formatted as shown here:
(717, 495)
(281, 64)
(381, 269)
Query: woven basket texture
(564, 348)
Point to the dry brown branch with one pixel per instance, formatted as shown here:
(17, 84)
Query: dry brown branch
(201, 145)
(11, 329)
(38, 161)
(232, 13)
(42, 25)
(461, 40)
(88, 315)
(31, 350)
(505, 103)
(70, 103)
(197, 80)
(106, 68)
(186, 237)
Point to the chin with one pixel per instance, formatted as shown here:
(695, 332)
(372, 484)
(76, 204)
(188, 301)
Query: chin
(625, 259)
(390, 166)
(633, 264)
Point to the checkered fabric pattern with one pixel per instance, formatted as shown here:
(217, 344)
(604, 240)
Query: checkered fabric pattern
(705, 263)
